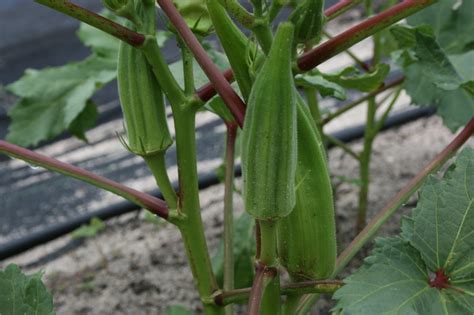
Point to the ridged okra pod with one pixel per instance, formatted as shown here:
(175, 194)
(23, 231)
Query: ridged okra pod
(269, 134)
(142, 103)
(307, 237)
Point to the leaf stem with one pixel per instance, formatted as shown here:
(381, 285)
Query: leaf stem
(141, 199)
(229, 211)
(223, 87)
(93, 19)
(361, 100)
(157, 165)
(401, 197)
(318, 286)
(357, 33)
(343, 146)
(340, 8)
(188, 69)
(162, 72)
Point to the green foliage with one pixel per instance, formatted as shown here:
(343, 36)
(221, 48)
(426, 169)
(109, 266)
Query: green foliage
(436, 57)
(89, 230)
(404, 275)
(244, 249)
(45, 110)
(323, 86)
(177, 310)
(23, 294)
(435, 78)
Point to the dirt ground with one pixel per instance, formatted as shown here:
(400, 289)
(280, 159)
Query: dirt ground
(145, 268)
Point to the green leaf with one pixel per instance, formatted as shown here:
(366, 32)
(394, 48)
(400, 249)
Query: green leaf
(434, 78)
(84, 121)
(244, 250)
(21, 294)
(350, 78)
(404, 275)
(177, 310)
(324, 87)
(444, 220)
(451, 21)
(89, 230)
(52, 98)
(101, 43)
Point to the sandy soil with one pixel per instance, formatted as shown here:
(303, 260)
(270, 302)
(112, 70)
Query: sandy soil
(145, 268)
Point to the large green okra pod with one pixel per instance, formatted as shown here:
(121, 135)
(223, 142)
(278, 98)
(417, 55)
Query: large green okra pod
(142, 103)
(307, 237)
(269, 135)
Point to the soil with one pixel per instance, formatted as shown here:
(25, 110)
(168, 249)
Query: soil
(136, 267)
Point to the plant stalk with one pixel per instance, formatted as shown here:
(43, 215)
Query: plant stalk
(93, 19)
(191, 228)
(223, 87)
(157, 165)
(155, 205)
(229, 211)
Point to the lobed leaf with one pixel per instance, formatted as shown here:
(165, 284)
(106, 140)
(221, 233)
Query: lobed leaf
(429, 269)
(22, 294)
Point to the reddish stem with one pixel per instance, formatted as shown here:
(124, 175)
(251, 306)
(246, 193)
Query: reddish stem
(149, 202)
(262, 276)
(372, 227)
(341, 42)
(359, 32)
(218, 80)
(341, 6)
(95, 20)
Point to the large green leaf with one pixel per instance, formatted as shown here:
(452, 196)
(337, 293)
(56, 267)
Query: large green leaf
(51, 99)
(21, 294)
(452, 22)
(429, 269)
(434, 78)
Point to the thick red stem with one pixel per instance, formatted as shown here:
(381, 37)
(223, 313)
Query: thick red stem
(218, 80)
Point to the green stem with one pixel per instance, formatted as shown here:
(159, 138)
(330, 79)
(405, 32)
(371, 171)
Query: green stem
(365, 164)
(191, 228)
(263, 33)
(229, 212)
(317, 286)
(374, 225)
(291, 304)
(95, 20)
(361, 100)
(162, 72)
(313, 104)
(188, 69)
(143, 200)
(270, 302)
(157, 165)
(342, 145)
(381, 122)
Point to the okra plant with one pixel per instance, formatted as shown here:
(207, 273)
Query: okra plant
(287, 189)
